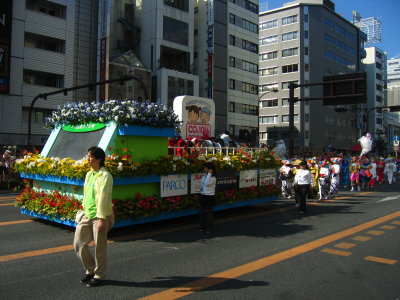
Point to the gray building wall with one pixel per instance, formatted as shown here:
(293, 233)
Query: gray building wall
(323, 126)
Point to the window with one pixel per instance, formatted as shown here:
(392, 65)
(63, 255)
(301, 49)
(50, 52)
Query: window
(378, 66)
(268, 87)
(232, 40)
(179, 4)
(269, 71)
(269, 103)
(249, 110)
(231, 106)
(306, 68)
(289, 36)
(285, 85)
(290, 68)
(290, 52)
(269, 40)
(175, 31)
(249, 26)
(232, 61)
(251, 6)
(379, 99)
(329, 23)
(250, 67)
(378, 76)
(305, 50)
(305, 18)
(45, 7)
(306, 134)
(269, 24)
(249, 46)
(44, 42)
(285, 118)
(289, 20)
(232, 84)
(268, 56)
(379, 87)
(307, 117)
(43, 79)
(306, 34)
(378, 55)
(249, 88)
(232, 18)
(379, 121)
(269, 120)
(190, 87)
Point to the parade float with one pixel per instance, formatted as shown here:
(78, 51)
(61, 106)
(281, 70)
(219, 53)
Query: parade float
(149, 184)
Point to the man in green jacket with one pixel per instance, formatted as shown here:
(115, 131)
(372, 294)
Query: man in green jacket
(97, 220)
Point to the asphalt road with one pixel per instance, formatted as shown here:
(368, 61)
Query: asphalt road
(345, 248)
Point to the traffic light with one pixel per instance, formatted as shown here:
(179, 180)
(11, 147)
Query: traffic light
(394, 108)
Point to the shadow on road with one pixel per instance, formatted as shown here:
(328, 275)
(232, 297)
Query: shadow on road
(189, 283)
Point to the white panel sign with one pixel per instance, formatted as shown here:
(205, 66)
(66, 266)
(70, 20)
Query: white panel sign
(195, 183)
(248, 178)
(197, 115)
(174, 185)
(267, 176)
(210, 12)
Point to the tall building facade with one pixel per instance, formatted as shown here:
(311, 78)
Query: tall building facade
(375, 65)
(226, 52)
(52, 46)
(302, 42)
(167, 47)
(393, 81)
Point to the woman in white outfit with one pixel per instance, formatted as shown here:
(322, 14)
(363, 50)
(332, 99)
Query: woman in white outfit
(390, 168)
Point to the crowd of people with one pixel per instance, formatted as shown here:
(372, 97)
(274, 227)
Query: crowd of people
(328, 174)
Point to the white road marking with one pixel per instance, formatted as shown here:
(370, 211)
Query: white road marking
(389, 199)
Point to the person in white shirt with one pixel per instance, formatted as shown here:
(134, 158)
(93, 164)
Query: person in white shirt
(373, 173)
(335, 176)
(302, 183)
(324, 180)
(390, 168)
(207, 198)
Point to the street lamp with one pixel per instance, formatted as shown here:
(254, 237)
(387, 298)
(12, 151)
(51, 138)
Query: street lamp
(259, 99)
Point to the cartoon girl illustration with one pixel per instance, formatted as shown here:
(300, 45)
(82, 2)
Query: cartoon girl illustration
(193, 113)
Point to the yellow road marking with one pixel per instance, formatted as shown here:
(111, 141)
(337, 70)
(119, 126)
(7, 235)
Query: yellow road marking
(376, 232)
(345, 245)
(389, 227)
(396, 222)
(15, 222)
(361, 238)
(212, 280)
(381, 260)
(336, 252)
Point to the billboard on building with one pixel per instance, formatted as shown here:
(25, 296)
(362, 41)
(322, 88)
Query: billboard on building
(5, 44)
(103, 49)
(197, 115)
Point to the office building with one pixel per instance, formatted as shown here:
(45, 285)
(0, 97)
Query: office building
(51, 46)
(226, 60)
(301, 42)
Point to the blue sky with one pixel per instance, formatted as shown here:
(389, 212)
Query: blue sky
(387, 11)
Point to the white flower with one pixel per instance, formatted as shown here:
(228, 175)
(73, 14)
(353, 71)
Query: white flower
(116, 118)
(120, 167)
(174, 167)
(227, 158)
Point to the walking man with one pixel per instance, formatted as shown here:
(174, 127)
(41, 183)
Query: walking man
(97, 220)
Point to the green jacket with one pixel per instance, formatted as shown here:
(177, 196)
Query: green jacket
(103, 192)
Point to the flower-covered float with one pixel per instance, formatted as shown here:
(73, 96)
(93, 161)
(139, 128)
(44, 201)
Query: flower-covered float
(149, 184)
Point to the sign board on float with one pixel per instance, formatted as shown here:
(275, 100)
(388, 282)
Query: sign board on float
(197, 115)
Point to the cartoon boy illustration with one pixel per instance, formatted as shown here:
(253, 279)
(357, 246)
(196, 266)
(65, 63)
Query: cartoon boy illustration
(193, 113)
(205, 115)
